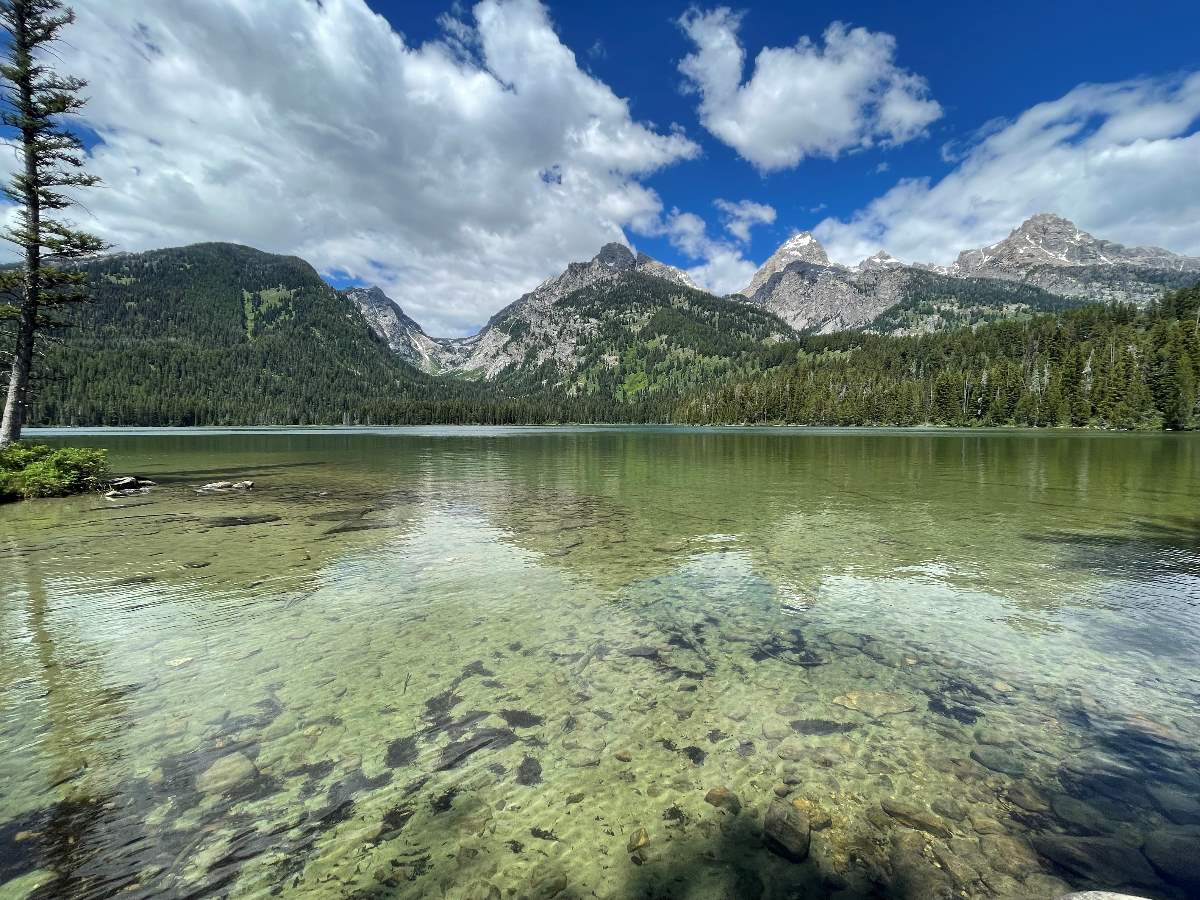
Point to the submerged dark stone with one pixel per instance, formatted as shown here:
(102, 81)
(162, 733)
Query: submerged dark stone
(529, 772)
(444, 801)
(716, 736)
(643, 652)
(675, 815)
(695, 754)
(235, 521)
(437, 708)
(456, 753)
(520, 718)
(963, 714)
(543, 834)
(477, 668)
(456, 729)
(335, 814)
(394, 821)
(745, 749)
(820, 727)
(402, 752)
(514, 846)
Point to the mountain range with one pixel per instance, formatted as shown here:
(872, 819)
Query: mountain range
(1045, 264)
(221, 334)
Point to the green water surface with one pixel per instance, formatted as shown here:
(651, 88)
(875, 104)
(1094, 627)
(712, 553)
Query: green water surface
(508, 663)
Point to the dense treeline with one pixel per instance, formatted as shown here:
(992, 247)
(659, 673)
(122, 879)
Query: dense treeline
(216, 334)
(1101, 366)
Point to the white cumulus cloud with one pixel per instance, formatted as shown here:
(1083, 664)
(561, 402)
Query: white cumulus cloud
(720, 266)
(456, 173)
(810, 99)
(743, 215)
(1120, 160)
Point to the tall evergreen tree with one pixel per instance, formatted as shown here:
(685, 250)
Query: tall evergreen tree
(35, 100)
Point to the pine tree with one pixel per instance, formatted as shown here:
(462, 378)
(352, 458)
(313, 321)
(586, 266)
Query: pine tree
(35, 100)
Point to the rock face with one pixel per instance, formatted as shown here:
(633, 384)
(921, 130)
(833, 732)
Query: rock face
(1049, 240)
(1055, 254)
(402, 334)
(799, 248)
(1048, 256)
(787, 830)
(528, 324)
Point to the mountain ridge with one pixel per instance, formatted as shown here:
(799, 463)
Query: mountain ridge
(1046, 252)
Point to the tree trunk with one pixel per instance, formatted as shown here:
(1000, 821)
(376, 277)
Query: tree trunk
(18, 379)
(18, 384)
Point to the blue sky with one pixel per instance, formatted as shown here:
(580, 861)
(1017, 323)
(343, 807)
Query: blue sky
(457, 154)
(982, 61)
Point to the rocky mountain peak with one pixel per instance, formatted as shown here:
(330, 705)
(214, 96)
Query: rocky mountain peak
(801, 247)
(880, 260)
(614, 256)
(1047, 239)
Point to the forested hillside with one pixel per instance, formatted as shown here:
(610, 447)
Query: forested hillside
(641, 338)
(217, 334)
(1104, 366)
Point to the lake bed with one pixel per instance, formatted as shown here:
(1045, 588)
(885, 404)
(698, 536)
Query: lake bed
(598, 662)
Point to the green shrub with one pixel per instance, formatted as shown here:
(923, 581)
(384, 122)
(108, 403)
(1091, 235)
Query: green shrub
(35, 470)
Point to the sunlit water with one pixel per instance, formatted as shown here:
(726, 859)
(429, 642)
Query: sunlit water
(479, 663)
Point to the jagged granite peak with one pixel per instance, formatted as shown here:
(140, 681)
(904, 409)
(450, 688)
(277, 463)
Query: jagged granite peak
(652, 266)
(802, 247)
(880, 260)
(1047, 239)
(531, 320)
(615, 256)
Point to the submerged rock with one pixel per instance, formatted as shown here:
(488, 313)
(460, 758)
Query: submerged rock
(1079, 814)
(529, 772)
(1024, 796)
(916, 878)
(787, 830)
(637, 840)
(1099, 859)
(998, 760)
(1176, 803)
(818, 818)
(1174, 854)
(775, 729)
(915, 816)
(226, 773)
(875, 704)
(724, 798)
(950, 808)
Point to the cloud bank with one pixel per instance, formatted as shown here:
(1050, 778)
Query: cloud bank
(1121, 160)
(456, 174)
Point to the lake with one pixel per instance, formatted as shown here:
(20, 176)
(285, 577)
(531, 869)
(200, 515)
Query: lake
(607, 662)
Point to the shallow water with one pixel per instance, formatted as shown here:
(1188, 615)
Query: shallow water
(479, 663)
